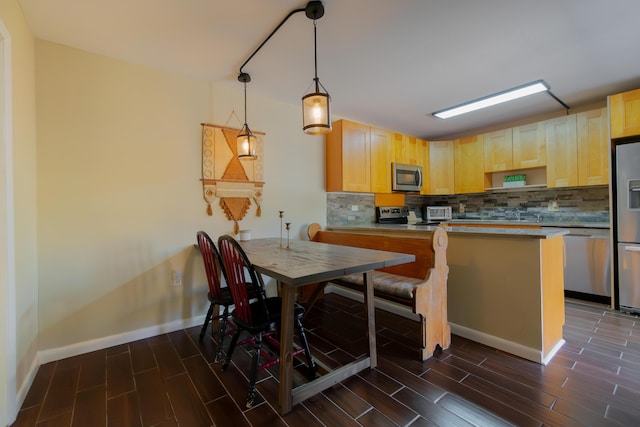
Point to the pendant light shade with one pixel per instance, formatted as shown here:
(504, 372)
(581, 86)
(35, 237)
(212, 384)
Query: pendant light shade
(316, 112)
(246, 140)
(246, 144)
(316, 106)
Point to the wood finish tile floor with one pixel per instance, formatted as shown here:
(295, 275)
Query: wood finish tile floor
(167, 380)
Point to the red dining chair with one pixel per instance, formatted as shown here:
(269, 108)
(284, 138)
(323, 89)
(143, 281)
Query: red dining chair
(217, 295)
(260, 318)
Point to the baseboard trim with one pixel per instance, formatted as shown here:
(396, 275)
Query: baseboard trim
(553, 352)
(21, 394)
(511, 347)
(53, 354)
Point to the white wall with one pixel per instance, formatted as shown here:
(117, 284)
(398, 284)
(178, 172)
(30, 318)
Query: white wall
(18, 281)
(119, 196)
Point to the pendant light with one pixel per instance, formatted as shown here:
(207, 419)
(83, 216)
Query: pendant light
(316, 117)
(245, 139)
(316, 106)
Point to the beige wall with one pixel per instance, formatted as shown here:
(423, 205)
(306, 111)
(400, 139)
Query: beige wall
(119, 197)
(15, 363)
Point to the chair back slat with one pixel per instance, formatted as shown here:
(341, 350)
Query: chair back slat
(212, 264)
(236, 265)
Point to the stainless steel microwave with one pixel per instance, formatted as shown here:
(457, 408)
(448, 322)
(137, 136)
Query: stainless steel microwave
(406, 177)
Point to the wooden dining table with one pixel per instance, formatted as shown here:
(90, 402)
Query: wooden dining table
(303, 263)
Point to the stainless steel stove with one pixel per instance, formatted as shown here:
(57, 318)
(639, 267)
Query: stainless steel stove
(392, 214)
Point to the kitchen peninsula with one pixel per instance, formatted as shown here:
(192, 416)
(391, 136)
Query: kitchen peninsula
(505, 285)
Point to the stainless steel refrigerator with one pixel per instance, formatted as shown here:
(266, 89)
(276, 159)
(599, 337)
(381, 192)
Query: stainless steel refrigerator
(628, 225)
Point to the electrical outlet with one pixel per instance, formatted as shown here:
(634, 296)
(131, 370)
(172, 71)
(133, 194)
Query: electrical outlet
(177, 278)
(552, 206)
(354, 208)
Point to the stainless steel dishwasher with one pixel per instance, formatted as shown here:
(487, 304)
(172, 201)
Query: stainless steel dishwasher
(587, 264)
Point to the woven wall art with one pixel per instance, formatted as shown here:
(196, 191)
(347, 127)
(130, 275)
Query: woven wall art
(235, 182)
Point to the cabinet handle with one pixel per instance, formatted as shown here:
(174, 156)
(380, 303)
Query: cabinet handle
(632, 248)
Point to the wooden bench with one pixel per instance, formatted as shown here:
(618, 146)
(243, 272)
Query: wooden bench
(420, 285)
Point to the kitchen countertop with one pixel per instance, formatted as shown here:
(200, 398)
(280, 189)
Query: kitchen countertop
(561, 224)
(536, 233)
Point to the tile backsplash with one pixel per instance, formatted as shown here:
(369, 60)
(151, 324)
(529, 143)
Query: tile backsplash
(350, 208)
(579, 204)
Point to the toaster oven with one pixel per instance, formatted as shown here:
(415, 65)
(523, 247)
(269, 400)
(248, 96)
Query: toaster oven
(436, 213)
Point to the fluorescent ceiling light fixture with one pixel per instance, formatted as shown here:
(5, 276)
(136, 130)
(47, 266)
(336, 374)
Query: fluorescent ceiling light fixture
(496, 98)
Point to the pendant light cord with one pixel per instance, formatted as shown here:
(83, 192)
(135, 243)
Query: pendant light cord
(245, 105)
(315, 54)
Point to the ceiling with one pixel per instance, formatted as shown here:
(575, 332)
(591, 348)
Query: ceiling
(388, 63)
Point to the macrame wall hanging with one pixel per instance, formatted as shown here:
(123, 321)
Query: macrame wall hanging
(224, 176)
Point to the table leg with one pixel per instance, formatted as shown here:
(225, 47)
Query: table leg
(370, 314)
(286, 347)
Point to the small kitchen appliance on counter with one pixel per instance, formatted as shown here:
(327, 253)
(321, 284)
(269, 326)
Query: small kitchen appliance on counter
(392, 214)
(433, 215)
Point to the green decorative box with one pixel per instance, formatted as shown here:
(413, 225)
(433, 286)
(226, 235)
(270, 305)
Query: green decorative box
(514, 181)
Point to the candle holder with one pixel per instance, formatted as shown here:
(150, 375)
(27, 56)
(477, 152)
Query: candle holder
(287, 225)
(281, 214)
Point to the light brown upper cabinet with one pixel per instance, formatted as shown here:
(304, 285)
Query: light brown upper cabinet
(529, 146)
(498, 150)
(441, 169)
(381, 158)
(593, 147)
(422, 151)
(405, 149)
(469, 176)
(625, 114)
(562, 152)
(348, 157)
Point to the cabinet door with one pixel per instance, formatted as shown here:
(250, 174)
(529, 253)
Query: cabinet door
(441, 171)
(399, 155)
(422, 150)
(498, 150)
(411, 150)
(469, 174)
(356, 158)
(593, 147)
(529, 146)
(562, 152)
(405, 149)
(625, 114)
(381, 157)
(348, 157)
